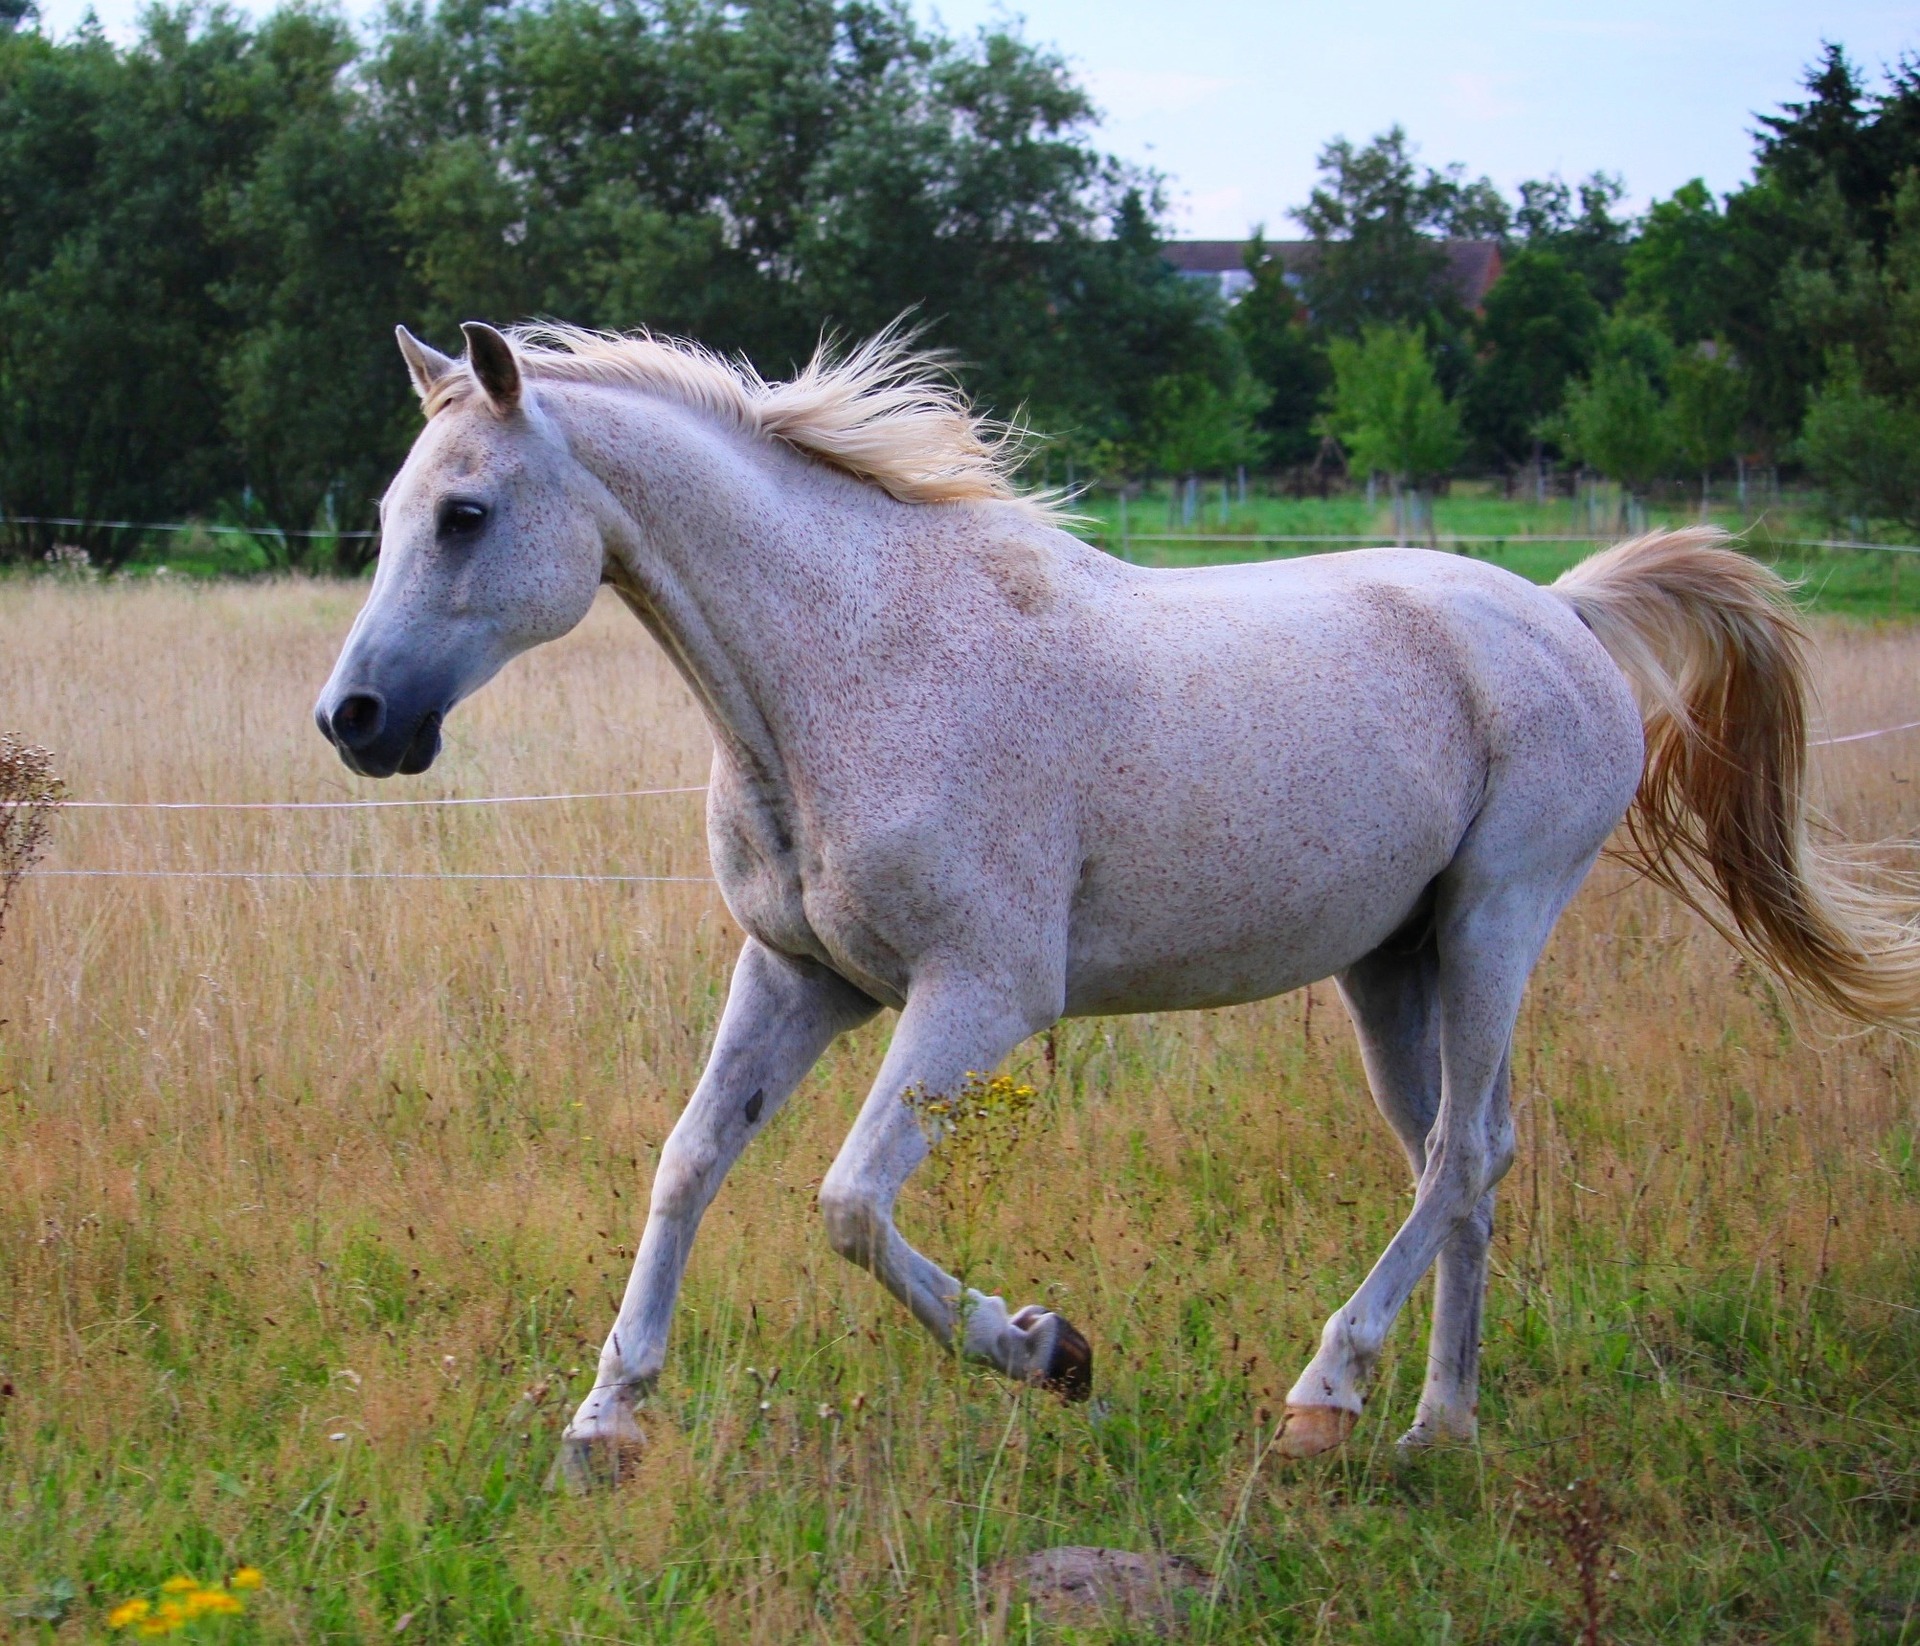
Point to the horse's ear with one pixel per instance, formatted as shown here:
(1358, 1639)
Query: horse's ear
(491, 357)
(426, 365)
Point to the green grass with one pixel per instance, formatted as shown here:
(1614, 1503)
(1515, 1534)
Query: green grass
(1858, 582)
(318, 1201)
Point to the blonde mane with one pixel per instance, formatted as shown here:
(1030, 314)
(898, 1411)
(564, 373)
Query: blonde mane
(885, 413)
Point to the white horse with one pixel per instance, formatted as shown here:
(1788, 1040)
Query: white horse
(970, 768)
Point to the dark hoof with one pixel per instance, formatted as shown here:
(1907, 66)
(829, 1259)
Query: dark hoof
(1070, 1367)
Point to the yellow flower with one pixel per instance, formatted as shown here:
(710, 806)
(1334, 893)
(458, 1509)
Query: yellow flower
(169, 1616)
(248, 1577)
(179, 1585)
(216, 1601)
(130, 1611)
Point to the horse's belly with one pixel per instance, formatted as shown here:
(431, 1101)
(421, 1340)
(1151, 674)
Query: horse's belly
(1170, 937)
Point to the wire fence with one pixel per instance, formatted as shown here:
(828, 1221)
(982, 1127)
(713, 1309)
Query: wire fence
(1093, 528)
(330, 875)
(368, 874)
(1118, 532)
(74, 523)
(359, 805)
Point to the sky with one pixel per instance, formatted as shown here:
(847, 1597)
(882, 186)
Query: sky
(1232, 99)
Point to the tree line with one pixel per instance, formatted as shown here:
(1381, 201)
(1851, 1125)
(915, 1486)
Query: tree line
(207, 235)
(1779, 325)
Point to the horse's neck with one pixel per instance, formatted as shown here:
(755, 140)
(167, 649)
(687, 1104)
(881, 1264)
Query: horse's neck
(745, 563)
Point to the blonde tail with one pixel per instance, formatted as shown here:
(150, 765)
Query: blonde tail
(1717, 659)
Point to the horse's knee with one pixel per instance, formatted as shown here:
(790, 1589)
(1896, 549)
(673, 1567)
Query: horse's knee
(1461, 1173)
(1477, 1225)
(856, 1222)
(680, 1180)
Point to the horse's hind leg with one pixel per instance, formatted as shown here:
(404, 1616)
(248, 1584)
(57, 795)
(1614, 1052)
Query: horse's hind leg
(780, 1016)
(1489, 933)
(1393, 997)
(947, 1030)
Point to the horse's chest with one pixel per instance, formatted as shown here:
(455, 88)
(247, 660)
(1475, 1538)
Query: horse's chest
(796, 899)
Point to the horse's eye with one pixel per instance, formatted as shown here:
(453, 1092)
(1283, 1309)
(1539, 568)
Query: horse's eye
(459, 518)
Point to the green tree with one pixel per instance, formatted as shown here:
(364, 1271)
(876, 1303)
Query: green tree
(205, 238)
(1789, 272)
(1864, 449)
(1590, 240)
(1203, 426)
(1388, 410)
(1377, 221)
(1615, 420)
(111, 332)
(1285, 356)
(1539, 329)
(308, 233)
(1681, 267)
(1706, 404)
(752, 172)
(1861, 438)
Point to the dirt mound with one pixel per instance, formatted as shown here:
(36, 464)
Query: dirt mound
(1081, 1584)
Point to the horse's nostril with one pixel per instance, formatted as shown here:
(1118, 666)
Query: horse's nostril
(357, 719)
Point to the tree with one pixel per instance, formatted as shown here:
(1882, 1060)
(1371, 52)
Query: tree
(1591, 241)
(206, 237)
(1861, 438)
(308, 232)
(111, 330)
(1387, 408)
(1203, 426)
(1864, 449)
(1681, 268)
(1707, 400)
(1791, 272)
(1841, 137)
(1283, 354)
(1376, 222)
(1615, 420)
(1539, 329)
(751, 172)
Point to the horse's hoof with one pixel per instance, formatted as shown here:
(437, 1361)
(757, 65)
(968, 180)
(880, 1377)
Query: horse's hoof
(1069, 1370)
(593, 1463)
(1310, 1430)
(1426, 1436)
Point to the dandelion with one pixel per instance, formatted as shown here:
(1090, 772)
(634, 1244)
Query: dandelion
(183, 1602)
(217, 1602)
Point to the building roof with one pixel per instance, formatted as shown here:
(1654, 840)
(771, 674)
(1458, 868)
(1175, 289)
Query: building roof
(1472, 265)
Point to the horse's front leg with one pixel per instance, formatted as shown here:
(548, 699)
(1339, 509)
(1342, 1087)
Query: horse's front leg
(947, 1030)
(780, 1016)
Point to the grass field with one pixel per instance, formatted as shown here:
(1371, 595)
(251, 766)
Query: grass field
(1528, 537)
(315, 1198)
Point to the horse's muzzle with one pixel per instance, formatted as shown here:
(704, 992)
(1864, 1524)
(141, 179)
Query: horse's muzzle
(374, 741)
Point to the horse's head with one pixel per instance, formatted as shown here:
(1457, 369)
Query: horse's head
(491, 541)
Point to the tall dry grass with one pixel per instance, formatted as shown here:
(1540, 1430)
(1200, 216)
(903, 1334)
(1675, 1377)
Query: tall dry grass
(317, 1197)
